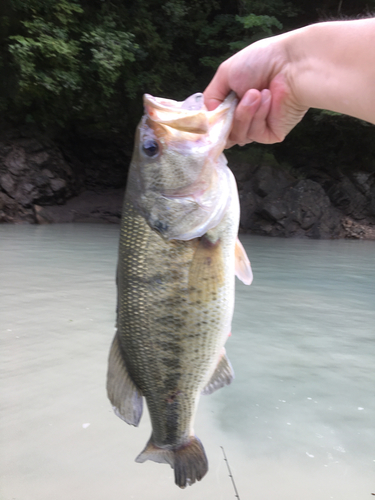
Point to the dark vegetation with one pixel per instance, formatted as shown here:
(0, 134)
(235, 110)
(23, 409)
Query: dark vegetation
(83, 65)
(75, 70)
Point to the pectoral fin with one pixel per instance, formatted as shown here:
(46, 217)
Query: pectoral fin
(242, 264)
(223, 375)
(125, 397)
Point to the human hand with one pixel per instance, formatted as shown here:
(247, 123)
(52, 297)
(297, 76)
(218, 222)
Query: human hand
(260, 76)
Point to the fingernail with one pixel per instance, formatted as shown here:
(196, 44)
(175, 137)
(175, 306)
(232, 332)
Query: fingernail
(250, 98)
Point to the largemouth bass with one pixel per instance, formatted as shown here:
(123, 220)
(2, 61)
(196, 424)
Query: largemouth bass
(178, 255)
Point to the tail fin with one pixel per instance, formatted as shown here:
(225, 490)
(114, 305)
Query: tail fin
(189, 461)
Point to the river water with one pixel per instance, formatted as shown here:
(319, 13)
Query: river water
(297, 423)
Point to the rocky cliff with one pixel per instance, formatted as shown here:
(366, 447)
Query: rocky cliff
(44, 181)
(275, 202)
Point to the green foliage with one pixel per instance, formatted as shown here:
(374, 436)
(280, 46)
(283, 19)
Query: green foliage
(263, 23)
(85, 64)
(258, 26)
(67, 64)
(90, 62)
(110, 50)
(269, 7)
(51, 45)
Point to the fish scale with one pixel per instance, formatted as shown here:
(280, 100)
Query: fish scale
(156, 286)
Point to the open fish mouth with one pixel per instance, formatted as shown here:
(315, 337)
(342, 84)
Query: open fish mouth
(189, 116)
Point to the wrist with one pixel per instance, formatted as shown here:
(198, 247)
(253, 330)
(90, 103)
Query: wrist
(299, 67)
(329, 63)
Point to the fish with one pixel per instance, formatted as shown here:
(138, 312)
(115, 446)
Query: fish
(178, 255)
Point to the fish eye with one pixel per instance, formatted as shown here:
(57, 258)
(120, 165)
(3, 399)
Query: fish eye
(150, 148)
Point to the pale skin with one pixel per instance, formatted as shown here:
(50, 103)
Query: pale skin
(327, 65)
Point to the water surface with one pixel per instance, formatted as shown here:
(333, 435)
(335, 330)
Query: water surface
(297, 423)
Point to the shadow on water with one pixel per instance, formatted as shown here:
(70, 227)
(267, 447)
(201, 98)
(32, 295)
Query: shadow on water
(297, 423)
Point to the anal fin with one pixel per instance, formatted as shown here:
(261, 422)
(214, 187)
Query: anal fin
(222, 376)
(125, 397)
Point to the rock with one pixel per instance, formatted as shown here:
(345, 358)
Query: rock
(89, 206)
(12, 211)
(83, 181)
(254, 186)
(372, 201)
(58, 184)
(248, 202)
(7, 183)
(274, 203)
(267, 180)
(39, 158)
(33, 173)
(243, 171)
(354, 230)
(350, 200)
(363, 181)
(312, 211)
(16, 161)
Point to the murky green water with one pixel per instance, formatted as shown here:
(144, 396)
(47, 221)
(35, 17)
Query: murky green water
(297, 423)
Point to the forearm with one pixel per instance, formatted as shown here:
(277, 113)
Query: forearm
(277, 79)
(332, 66)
